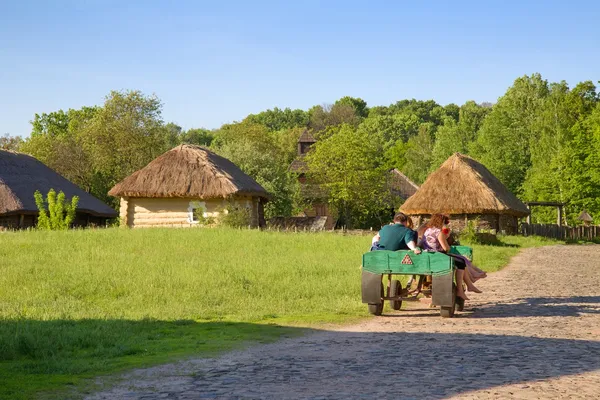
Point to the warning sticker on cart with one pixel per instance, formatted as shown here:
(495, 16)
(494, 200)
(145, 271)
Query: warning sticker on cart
(406, 260)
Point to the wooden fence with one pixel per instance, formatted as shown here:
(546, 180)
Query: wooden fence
(561, 232)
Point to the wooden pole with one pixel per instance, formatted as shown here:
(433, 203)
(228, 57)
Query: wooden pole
(559, 220)
(529, 216)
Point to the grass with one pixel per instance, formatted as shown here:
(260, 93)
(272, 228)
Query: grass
(78, 304)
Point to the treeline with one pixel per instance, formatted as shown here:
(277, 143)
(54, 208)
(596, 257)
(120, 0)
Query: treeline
(541, 139)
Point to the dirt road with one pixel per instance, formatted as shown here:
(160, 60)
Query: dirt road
(533, 334)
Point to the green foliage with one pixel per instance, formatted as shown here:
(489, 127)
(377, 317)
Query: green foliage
(419, 154)
(8, 142)
(202, 219)
(469, 232)
(277, 119)
(55, 213)
(197, 136)
(505, 139)
(348, 166)
(253, 148)
(236, 216)
(327, 116)
(359, 105)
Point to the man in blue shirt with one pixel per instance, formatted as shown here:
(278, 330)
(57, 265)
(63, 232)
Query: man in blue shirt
(398, 236)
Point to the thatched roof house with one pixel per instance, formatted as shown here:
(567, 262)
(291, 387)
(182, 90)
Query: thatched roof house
(175, 186)
(21, 175)
(465, 189)
(585, 217)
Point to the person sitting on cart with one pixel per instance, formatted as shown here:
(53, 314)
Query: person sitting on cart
(396, 236)
(435, 239)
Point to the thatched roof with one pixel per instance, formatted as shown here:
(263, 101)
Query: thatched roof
(400, 185)
(585, 217)
(463, 186)
(189, 171)
(21, 175)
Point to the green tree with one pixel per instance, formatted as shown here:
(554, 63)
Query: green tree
(457, 135)
(327, 116)
(359, 105)
(389, 129)
(418, 154)
(252, 148)
(55, 213)
(56, 141)
(124, 136)
(503, 143)
(8, 142)
(278, 119)
(198, 136)
(347, 165)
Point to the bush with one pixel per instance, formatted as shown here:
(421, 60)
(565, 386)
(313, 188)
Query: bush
(59, 215)
(469, 233)
(236, 217)
(202, 220)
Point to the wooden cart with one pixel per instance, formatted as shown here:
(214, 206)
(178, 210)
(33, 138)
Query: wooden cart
(439, 266)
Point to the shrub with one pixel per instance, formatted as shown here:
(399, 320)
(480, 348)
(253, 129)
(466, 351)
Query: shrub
(59, 215)
(236, 217)
(469, 233)
(202, 220)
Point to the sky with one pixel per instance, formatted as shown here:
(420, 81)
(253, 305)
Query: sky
(214, 62)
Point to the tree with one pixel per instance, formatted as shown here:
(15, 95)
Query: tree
(124, 136)
(326, 116)
(277, 119)
(8, 142)
(252, 148)
(359, 105)
(56, 141)
(198, 136)
(389, 129)
(457, 135)
(503, 143)
(348, 166)
(418, 154)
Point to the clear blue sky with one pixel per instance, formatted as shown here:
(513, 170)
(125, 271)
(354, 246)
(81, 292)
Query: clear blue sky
(213, 62)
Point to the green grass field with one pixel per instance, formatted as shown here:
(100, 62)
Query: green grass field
(78, 304)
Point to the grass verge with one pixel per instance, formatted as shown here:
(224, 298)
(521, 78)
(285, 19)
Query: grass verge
(78, 304)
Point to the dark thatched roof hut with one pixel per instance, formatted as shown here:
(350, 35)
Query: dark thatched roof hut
(186, 178)
(21, 175)
(466, 189)
(585, 217)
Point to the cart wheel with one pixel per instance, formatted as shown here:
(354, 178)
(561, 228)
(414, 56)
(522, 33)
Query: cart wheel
(395, 290)
(448, 312)
(377, 309)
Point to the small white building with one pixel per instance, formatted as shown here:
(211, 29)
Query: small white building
(174, 188)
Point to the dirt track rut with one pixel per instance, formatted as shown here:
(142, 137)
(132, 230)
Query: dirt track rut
(533, 334)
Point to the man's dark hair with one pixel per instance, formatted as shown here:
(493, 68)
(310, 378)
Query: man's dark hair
(400, 218)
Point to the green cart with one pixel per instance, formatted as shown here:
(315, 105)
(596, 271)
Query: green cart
(439, 266)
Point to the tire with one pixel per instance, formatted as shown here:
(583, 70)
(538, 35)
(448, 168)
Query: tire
(377, 309)
(448, 312)
(395, 290)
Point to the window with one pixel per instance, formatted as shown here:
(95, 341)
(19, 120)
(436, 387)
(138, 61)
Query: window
(195, 209)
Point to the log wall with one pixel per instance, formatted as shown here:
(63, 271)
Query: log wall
(175, 212)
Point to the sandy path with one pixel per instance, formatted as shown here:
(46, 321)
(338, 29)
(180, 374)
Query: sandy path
(533, 334)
